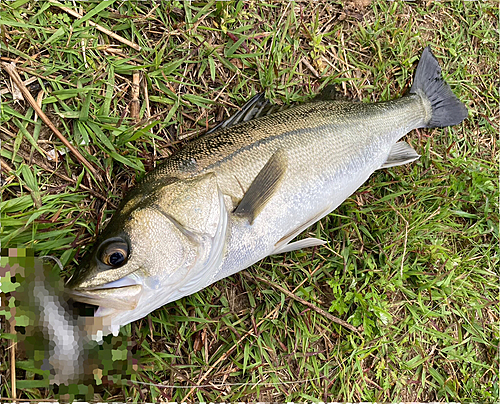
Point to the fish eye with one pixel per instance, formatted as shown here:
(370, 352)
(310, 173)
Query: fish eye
(114, 253)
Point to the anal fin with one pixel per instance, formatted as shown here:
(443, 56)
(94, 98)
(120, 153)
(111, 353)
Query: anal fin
(401, 153)
(263, 187)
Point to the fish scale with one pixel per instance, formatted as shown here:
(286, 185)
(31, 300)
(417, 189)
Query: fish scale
(332, 127)
(327, 179)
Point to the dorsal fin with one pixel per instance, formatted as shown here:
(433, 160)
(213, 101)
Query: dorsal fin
(255, 108)
(263, 187)
(329, 93)
(259, 106)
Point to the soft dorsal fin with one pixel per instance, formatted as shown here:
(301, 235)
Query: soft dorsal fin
(255, 108)
(263, 187)
(329, 93)
(401, 153)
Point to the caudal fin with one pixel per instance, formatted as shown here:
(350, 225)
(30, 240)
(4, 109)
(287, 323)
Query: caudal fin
(447, 109)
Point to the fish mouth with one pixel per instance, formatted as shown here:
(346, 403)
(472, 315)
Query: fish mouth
(122, 294)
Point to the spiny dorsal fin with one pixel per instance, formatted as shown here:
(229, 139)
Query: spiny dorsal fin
(255, 108)
(401, 153)
(263, 187)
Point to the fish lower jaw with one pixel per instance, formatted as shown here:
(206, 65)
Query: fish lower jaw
(108, 299)
(105, 311)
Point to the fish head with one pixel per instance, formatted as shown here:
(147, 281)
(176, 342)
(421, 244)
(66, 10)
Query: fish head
(165, 241)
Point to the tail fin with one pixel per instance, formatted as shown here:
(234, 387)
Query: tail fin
(447, 109)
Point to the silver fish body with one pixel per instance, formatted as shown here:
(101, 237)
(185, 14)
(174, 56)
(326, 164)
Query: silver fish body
(243, 192)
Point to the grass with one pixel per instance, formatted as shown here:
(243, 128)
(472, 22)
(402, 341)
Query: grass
(412, 256)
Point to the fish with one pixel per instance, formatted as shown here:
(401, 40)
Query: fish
(246, 189)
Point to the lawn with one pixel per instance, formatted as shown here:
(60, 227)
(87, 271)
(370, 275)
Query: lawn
(412, 257)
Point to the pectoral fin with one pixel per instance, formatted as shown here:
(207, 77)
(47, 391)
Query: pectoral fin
(298, 245)
(263, 187)
(401, 153)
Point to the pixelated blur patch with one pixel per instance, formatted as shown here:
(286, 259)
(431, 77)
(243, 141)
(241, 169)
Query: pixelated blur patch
(8, 283)
(52, 334)
(13, 264)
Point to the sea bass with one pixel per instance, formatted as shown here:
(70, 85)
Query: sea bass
(246, 190)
